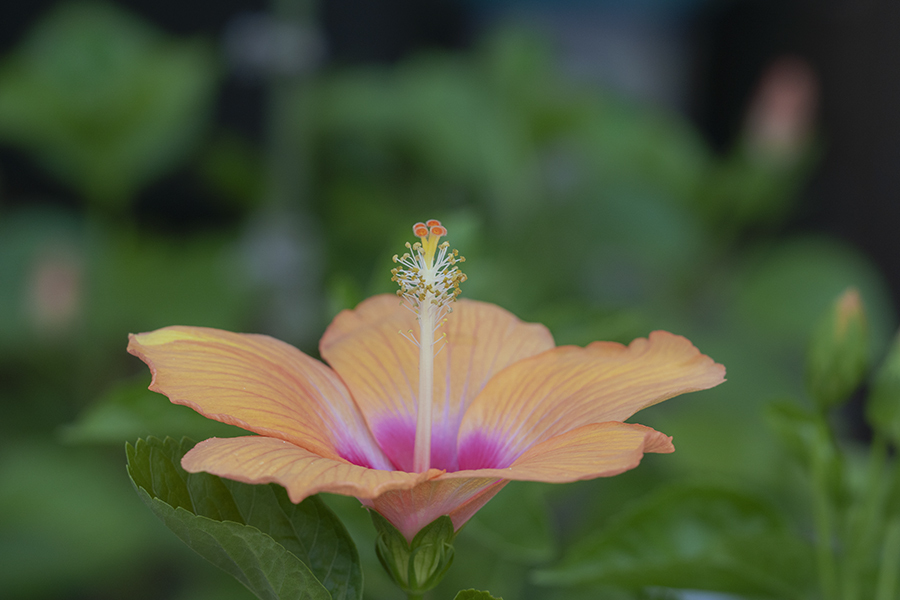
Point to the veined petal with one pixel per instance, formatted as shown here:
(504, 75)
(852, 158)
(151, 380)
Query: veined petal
(590, 451)
(568, 387)
(260, 384)
(381, 367)
(258, 459)
(409, 510)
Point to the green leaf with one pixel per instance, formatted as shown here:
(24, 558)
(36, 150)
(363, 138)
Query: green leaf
(692, 537)
(474, 595)
(274, 547)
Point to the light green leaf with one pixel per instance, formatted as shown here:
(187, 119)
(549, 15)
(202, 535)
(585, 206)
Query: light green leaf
(253, 532)
(692, 537)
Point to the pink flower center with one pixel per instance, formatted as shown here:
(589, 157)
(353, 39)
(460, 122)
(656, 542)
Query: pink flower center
(396, 436)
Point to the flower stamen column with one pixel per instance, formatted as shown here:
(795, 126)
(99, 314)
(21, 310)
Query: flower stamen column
(429, 281)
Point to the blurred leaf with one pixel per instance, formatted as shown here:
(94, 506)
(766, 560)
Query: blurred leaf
(440, 114)
(528, 537)
(140, 283)
(807, 435)
(253, 532)
(104, 101)
(838, 355)
(787, 286)
(883, 403)
(695, 538)
(129, 411)
(68, 520)
(743, 191)
(235, 169)
(642, 148)
(475, 595)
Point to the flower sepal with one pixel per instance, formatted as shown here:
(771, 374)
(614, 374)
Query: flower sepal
(420, 565)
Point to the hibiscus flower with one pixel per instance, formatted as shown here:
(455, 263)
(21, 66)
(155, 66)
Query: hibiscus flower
(500, 401)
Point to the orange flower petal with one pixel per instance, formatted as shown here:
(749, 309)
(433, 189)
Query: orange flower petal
(381, 367)
(258, 459)
(568, 387)
(595, 450)
(260, 384)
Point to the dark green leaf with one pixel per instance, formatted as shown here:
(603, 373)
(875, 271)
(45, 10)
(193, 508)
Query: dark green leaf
(474, 595)
(692, 537)
(260, 522)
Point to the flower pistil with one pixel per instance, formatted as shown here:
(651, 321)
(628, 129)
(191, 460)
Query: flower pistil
(429, 282)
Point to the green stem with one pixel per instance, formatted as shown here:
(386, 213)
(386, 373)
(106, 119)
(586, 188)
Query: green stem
(888, 572)
(824, 522)
(865, 520)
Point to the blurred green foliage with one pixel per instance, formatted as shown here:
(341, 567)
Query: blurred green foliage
(601, 217)
(688, 534)
(105, 102)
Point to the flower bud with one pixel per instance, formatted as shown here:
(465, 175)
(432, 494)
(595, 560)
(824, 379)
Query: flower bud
(417, 566)
(837, 359)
